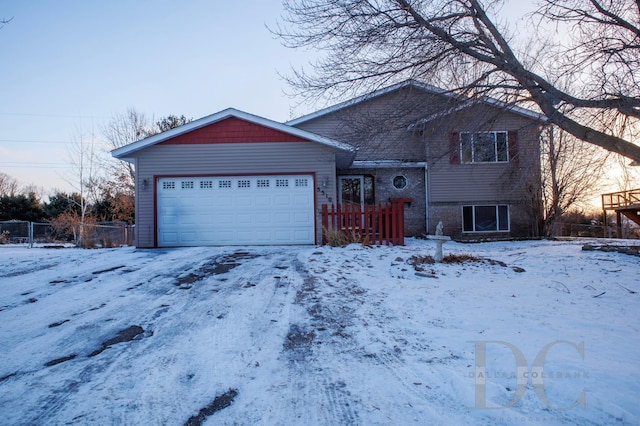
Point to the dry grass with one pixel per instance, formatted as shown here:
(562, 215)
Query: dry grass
(461, 258)
(418, 260)
(339, 238)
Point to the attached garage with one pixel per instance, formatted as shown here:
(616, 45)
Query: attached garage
(235, 210)
(233, 178)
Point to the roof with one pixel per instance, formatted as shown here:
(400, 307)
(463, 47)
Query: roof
(427, 88)
(127, 150)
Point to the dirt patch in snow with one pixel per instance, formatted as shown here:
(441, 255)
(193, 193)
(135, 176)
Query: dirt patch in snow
(220, 402)
(418, 262)
(218, 266)
(60, 360)
(125, 335)
(299, 342)
(630, 250)
(115, 268)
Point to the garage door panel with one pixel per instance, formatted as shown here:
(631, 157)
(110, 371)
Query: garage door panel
(244, 219)
(301, 200)
(236, 210)
(282, 200)
(262, 201)
(302, 219)
(244, 201)
(262, 219)
(225, 200)
(188, 237)
(302, 234)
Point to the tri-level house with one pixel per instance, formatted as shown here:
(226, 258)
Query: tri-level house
(233, 178)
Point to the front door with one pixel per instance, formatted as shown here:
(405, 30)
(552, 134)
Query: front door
(351, 190)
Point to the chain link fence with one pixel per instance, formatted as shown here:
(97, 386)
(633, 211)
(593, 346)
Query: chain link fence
(629, 230)
(88, 235)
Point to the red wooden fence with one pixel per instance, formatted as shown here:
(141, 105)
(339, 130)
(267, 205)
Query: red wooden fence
(381, 224)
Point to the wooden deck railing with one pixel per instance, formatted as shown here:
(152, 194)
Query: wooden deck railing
(381, 224)
(625, 203)
(617, 200)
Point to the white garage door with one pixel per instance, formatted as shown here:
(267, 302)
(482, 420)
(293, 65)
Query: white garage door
(238, 210)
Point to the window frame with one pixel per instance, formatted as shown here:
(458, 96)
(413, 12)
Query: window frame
(404, 179)
(499, 217)
(367, 188)
(468, 154)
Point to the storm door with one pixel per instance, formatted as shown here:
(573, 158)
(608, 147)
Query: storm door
(351, 190)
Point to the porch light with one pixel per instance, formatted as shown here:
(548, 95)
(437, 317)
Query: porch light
(144, 184)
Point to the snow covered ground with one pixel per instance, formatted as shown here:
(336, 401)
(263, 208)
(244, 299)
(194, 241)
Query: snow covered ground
(320, 335)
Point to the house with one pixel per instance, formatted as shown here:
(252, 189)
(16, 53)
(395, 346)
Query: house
(472, 164)
(233, 178)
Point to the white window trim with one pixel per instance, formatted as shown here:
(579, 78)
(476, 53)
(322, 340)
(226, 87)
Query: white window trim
(473, 206)
(406, 182)
(495, 147)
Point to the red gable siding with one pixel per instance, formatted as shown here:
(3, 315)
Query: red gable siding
(232, 130)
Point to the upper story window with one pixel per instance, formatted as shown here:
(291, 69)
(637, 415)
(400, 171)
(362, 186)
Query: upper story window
(484, 147)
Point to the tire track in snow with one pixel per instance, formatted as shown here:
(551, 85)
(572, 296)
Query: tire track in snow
(175, 314)
(317, 393)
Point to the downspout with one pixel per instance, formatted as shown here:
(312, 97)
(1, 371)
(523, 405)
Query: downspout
(426, 198)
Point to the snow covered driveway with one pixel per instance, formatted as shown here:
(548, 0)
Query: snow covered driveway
(319, 335)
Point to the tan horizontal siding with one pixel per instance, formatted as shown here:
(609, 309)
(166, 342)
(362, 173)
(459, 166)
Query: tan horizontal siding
(379, 127)
(504, 182)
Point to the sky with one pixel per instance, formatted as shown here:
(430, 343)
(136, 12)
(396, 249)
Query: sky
(67, 68)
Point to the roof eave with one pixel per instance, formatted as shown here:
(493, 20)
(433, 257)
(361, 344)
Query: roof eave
(376, 93)
(123, 152)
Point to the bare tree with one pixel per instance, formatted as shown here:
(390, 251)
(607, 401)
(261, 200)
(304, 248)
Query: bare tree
(8, 185)
(85, 176)
(572, 171)
(122, 130)
(466, 46)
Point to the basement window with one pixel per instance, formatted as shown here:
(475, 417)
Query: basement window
(485, 218)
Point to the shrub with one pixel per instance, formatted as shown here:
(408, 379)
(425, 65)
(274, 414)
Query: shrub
(339, 238)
